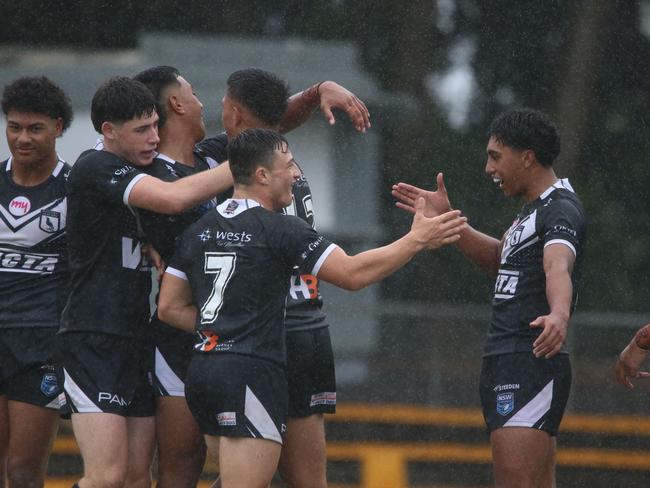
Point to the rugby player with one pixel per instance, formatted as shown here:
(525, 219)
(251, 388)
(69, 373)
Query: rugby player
(229, 278)
(526, 373)
(33, 275)
(181, 448)
(102, 344)
(628, 365)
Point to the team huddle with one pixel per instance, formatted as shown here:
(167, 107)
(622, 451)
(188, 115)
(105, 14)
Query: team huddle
(236, 357)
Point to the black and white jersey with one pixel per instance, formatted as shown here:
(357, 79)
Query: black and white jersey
(33, 254)
(110, 280)
(304, 301)
(163, 230)
(556, 216)
(238, 261)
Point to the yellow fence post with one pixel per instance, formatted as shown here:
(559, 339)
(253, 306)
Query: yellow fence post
(383, 467)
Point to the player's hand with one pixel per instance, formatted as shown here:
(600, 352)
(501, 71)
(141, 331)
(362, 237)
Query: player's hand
(333, 95)
(434, 232)
(550, 341)
(436, 202)
(155, 259)
(628, 365)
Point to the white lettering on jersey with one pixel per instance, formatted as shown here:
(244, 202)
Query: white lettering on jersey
(20, 262)
(506, 284)
(131, 253)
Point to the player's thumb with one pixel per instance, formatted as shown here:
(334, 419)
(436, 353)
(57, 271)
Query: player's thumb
(419, 206)
(327, 113)
(538, 322)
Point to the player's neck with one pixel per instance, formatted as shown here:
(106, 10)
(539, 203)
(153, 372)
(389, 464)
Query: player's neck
(33, 174)
(177, 144)
(540, 182)
(247, 193)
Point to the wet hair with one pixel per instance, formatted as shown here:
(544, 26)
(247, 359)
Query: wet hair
(261, 92)
(119, 100)
(253, 148)
(37, 95)
(525, 128)
(158, 79)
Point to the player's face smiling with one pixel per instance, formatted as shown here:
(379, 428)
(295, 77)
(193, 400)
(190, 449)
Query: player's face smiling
(32, 137)
(284, 173)
(505, 166)
(193, 106)
(137, 139)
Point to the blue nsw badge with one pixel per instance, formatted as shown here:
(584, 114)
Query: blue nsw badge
(49, 384)
(505, 403)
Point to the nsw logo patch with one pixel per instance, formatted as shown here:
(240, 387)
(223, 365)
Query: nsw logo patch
(505, 403)
(49, 384)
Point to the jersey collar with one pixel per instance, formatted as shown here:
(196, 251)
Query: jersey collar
(561, 183)
(234, 206)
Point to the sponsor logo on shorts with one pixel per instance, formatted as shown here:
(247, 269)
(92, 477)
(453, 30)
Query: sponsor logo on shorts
(505, 403)
(324, 398)
(49, 384)
(104, 396)
(507, 386)
(227, 419)
(19, 206)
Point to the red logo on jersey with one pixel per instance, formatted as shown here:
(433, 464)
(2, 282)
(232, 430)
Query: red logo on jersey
(19, 206)
(209, 341)
(305, 285)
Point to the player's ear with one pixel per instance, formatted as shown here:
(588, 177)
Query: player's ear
(528, 158)
(262, 175)
(108, 130)
(58, 127)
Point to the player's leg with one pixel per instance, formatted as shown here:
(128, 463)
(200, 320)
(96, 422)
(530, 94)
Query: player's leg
(4, 436)
(520, 456)
(548, 477)
(102, 439)
(32, 429)
(312, 393)
(181, 447)
(237, 470)
(303, 461)
(141, 433)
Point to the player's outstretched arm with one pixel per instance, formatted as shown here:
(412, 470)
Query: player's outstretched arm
(327, 95)
(479, 248)
(632, 357)
(358, 271)
(175, 306)
(558, 266)
(172, 198)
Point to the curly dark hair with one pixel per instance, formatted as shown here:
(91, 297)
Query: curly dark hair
(525, 128)
(37, 95)
(261, 92)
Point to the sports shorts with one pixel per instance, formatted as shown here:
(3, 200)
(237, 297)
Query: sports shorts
(27, 370)
(235, 395)
(310, 372)
(107, 373)
(173, 352)
(520, 390)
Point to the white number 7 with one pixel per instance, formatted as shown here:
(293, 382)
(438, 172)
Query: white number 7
(221, 264)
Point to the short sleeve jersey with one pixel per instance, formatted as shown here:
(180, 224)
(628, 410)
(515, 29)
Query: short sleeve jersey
(238, 260)
(110, 280)
(33, 254)
(304, 301)
(163, 230)
(556, 216)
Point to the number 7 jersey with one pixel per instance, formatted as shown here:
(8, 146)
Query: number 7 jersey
(238, 261)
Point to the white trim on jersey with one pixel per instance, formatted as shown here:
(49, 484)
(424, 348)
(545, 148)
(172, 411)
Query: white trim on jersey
(212, 163)
(529, 414)
(562, 241)
(176, 272)
(239, 205)
(260, 418)
(164, 157)
(127, 191)
(561, 183)
(80, 400)
(165, 375)
(55, 172)
(322, 259)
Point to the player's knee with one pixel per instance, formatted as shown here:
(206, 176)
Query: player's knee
(302, 478)
(24, 473)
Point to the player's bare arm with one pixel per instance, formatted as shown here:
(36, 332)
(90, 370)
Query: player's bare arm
(558, 266)
(327, 95)
(175, 197)
(479, 248)
(628, 365)
(175, 306)
(356, 272)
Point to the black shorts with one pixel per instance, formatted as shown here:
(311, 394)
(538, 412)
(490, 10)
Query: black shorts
(310, 372)
(27, 370)
(107, 373)
(237, 396)
(173, 354)
(520, 390)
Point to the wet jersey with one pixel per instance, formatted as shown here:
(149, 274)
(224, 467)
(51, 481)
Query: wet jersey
(556, 216)
(110, 280)
(163, 230)
(33, 254)
(304, 301)
(238, 261)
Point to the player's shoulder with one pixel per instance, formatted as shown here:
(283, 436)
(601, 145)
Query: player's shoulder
(215, 147)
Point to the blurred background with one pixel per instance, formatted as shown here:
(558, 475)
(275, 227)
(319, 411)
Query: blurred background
(433, 74)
